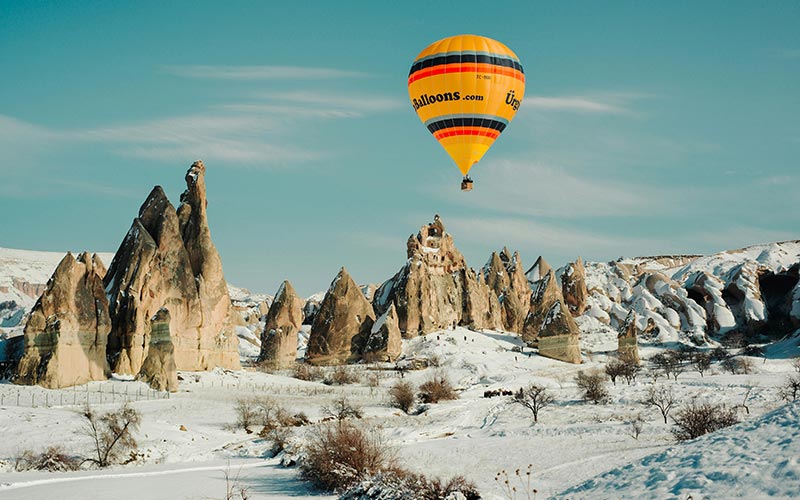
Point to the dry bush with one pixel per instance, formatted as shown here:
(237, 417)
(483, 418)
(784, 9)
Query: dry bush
(339, 456)
(534, 397)
(341, 409)
(701, 418)
(341, 375)
(53, 459)
(796, 365)
(401, 395)
(309, 373)
(790, 389)
(111, 433)
(592, 385)
(436, 389)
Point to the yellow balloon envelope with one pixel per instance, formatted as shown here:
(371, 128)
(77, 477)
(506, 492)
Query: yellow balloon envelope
(466, 89)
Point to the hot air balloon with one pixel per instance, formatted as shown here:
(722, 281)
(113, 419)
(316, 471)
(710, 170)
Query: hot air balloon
(466, 89)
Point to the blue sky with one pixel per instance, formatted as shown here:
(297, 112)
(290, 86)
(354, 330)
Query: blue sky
(646, 128)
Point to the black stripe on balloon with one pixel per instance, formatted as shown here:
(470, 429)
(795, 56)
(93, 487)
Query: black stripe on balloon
(466, 59)
(466, 122)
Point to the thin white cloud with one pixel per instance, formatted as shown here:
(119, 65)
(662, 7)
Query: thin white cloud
(532, 188)
(365, 103)
(786, 53)
(261, 72)
(576, 104)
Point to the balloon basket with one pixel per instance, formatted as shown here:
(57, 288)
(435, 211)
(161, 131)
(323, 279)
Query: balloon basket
(466, 184)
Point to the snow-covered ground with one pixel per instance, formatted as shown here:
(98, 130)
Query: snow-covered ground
(584, 448)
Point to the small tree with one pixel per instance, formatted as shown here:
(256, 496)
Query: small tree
(737, 365)
(631, 371)
(534, 397)
(701, 418)
(662, 397)
(401, 395)
(701, 362)
(615, 369)
(341, 409)
(592, 385)
(790, 389)
(111, 433)
(796, 365)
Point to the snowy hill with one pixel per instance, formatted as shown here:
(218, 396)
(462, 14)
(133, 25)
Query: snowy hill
(755, 459)
(23, 277)
(752, 292)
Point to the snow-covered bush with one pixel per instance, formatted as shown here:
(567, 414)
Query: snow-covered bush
(341, 409)
(399, 484)
(341, 375)
(309, 373)
(53, 459)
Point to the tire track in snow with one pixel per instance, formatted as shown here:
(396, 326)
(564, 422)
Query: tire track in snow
(40, 482)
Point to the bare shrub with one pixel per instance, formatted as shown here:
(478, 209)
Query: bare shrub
(339, 456)
(790, 389)
(341, 375)
(701, 418)
(401, 395)
(614, 369)
(662, 397)
(341, 409)
(635, 426)
(309, 373)
(534, 397)
(246, 413)
(436, 389)
(111, 433)
(53, 459)
(796, 365)
(592, 385)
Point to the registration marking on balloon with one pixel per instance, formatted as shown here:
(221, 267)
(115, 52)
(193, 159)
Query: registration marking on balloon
(466, 89)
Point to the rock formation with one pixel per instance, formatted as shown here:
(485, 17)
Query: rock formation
(343, 314)
(505, 276)
(158, 369)
(627, 340)
(573, 287)
(384, 342)
(279, 338)
(545, 293)
(559, 336)
(167, 259)
(67, 331)
(537, 271)
(435, 289)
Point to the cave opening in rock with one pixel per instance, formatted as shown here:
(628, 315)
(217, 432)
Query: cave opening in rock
(776, 291)
(697, 296)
